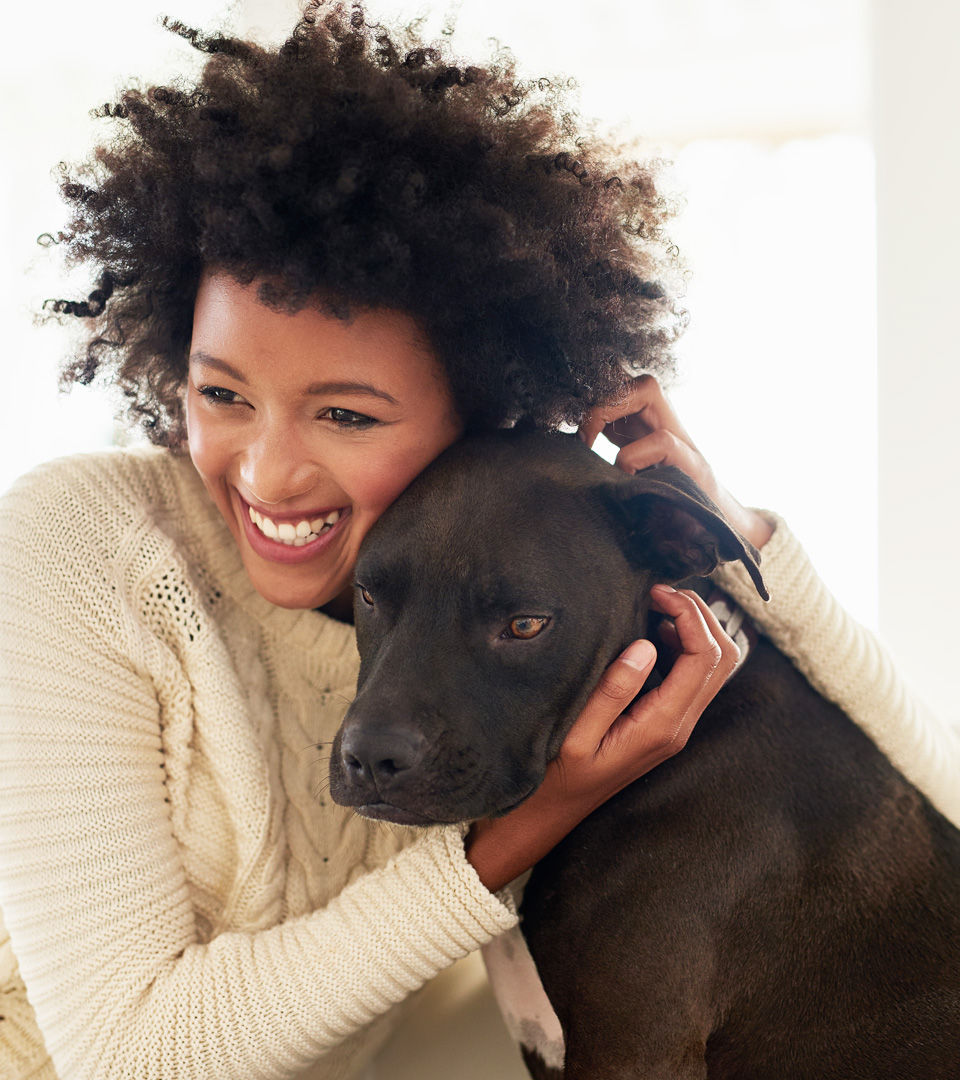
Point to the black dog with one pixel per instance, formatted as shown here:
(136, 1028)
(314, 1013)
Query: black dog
(775, 903)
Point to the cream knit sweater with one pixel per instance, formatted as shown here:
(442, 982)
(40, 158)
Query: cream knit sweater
(182, 898)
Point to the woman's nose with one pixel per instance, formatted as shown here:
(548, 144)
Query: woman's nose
(277, 466)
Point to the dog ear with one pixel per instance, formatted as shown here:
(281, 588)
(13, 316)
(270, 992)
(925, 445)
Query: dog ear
(676, 530)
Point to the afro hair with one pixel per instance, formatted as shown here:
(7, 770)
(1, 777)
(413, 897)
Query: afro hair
(355, 167)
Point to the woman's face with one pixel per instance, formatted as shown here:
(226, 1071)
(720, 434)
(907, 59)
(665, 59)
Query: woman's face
(305, 428)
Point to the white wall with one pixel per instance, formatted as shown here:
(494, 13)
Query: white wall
(917, 97)
(60, 62)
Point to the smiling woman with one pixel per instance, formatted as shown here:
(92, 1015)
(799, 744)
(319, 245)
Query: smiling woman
(309, 270)
(303, 420)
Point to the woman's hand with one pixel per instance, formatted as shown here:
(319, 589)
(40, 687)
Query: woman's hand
(613, 741)
(648, 432)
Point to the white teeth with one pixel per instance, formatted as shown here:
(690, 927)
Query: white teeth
(294, 535)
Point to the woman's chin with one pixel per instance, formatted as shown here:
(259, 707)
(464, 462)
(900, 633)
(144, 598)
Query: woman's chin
(290, 587)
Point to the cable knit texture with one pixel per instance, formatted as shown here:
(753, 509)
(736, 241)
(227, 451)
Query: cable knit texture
(182, 898)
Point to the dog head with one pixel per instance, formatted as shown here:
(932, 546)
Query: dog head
(490, 598)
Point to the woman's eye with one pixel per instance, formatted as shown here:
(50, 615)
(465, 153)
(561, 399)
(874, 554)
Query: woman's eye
(219, 394)
(525, 627)
(347, 418)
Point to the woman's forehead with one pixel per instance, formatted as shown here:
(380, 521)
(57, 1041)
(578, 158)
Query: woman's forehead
(235, 333)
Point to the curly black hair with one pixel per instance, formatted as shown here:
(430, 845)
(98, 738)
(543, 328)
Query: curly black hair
(358, 166)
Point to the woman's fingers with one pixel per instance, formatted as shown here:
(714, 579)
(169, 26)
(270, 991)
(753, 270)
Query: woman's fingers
(613, 741)
(602, 416)
(648, 431)
(707, 659)
(618, 686)
(642, 410)
(658, 724)
(664, 448)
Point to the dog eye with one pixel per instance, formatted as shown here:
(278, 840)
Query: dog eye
(525, 627)
(365, 593)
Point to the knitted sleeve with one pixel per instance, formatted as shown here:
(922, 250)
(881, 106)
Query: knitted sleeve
(92, 886)
(846, 663)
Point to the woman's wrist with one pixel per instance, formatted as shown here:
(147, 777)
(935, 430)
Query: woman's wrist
(501, 849)
(751, 525)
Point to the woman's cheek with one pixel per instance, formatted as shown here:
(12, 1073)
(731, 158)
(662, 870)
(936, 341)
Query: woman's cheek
(210, 452)
(196, 435)
(392, 473)
(202, 451)
(380, 483)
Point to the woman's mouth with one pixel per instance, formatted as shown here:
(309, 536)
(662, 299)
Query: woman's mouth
(294, 540)
(304, 532)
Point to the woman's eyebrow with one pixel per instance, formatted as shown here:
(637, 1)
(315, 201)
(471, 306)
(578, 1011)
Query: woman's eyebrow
(341, 386)
(347, 387)
(214, 363)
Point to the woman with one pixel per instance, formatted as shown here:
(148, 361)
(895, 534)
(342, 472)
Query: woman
(315, 269)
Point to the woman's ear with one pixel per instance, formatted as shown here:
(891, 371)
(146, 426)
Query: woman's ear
(675, 530)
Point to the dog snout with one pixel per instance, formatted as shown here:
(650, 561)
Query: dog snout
(381, 756)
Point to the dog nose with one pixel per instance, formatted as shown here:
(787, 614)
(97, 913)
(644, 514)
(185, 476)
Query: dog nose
(379, 756)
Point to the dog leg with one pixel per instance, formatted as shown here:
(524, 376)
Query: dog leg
(523, 1002)
(538, 1068)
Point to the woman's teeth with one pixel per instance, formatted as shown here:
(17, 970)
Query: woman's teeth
(294, 535)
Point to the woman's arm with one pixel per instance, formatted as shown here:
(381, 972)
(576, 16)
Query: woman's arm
(840, 658)
(849, 665)
(92, 884)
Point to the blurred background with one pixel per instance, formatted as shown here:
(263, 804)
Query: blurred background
(816, 158)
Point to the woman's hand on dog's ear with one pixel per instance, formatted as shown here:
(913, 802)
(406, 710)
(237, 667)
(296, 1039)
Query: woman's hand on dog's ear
(616, 739)
(648, 431)
(604, 752)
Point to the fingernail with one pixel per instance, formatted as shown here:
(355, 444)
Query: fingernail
(639, 655)
(664, 588)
